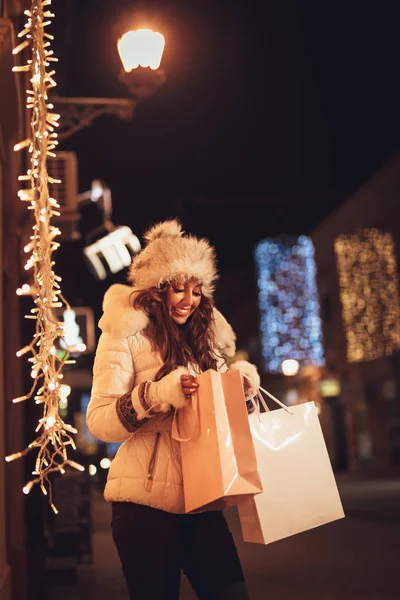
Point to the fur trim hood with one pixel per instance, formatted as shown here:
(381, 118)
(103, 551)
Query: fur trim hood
(121, 320)
(170, 255)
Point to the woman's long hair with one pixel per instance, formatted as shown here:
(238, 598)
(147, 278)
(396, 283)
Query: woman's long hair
(191, 343)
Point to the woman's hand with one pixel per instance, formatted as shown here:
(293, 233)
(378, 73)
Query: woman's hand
(188, 385)
(246, 385)
(250, 377)
(169, 391)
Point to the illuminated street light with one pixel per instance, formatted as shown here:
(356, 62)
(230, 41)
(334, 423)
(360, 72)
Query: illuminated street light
(141, 48)
(140, 52)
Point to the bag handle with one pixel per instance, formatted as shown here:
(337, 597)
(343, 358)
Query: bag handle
(272, 398)
(175, 428)
(259, 395)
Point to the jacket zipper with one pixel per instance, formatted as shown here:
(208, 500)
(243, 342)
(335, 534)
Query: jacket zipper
(152, 464)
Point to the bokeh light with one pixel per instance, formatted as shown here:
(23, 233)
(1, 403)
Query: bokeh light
(369, 294)
(288, 302)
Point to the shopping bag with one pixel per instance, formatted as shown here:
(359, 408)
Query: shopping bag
(300, 491)
(219, 464)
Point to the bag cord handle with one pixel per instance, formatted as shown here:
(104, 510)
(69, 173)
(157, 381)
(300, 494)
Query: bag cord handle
(259, 395)
(175, 427)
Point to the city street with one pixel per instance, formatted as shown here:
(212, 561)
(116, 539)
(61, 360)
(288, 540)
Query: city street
(353, 559)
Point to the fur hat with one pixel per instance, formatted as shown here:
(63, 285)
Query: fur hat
(170, 255)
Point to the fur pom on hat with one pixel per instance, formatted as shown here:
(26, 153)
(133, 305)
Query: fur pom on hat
(172, 256)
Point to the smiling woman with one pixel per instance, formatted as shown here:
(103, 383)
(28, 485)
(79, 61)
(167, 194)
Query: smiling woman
(180, 325)
(182, 300)
(157, 337)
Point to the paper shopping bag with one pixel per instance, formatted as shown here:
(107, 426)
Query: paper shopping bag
(300, 491)
(219, 464)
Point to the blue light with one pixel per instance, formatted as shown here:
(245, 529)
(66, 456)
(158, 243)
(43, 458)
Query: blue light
(288, 301)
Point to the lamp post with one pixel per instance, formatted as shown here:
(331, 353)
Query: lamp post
(140, 52)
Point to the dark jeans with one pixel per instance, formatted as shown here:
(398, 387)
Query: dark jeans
(154, 546)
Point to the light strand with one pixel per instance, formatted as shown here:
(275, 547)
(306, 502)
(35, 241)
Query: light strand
(54, 435)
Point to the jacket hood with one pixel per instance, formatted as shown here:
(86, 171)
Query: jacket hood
(121, 320)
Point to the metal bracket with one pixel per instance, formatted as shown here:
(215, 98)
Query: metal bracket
(78, 113)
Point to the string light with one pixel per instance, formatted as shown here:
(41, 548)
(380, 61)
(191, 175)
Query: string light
(288, 300)
(369, 294)
(46, 366)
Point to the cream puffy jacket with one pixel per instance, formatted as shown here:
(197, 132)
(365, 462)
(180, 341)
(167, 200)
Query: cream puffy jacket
(147, 467)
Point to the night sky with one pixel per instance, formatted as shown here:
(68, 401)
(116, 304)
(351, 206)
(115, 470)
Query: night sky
(272, 112)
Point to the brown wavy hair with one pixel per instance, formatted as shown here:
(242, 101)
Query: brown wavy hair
(178, 345)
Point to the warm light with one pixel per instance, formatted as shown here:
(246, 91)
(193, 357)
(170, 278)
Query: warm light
(65, 391)
(50, 422)
(290, 367)
(75, 465)
(27, 488)
(369, 292)
(23, 351)
(20, 399)
(92, 470)
(24, 290)
(330, 388)
(97, 190)
(141, 48)
(12, 457)
(105, 463)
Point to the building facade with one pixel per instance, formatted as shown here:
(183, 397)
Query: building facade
(13, 552)
(365, 410)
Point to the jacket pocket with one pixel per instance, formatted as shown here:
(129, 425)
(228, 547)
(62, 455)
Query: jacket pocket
(152, 463)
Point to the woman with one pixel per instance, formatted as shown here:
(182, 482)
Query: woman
(156, 337)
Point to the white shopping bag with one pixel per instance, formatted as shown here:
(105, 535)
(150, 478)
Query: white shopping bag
(300, 490)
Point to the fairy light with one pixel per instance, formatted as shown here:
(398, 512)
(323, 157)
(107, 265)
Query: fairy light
(369, 294)
(54, 436)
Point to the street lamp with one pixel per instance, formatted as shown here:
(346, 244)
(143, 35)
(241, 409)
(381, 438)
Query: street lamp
(141, 53)
(141, 48)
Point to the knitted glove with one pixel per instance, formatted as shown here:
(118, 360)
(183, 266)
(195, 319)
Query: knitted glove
(250, 374)
(167, 392)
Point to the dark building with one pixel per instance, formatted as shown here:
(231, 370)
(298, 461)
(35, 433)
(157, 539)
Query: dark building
(361, 321)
